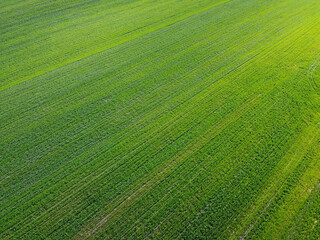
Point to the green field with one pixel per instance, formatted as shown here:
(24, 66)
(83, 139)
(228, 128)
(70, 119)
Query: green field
(160, 119)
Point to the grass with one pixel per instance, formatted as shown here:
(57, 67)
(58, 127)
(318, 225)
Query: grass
(149, 119)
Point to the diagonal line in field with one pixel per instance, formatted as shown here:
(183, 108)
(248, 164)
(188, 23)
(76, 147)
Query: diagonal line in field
(19, 81)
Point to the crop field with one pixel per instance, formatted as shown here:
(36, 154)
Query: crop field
(160, 119)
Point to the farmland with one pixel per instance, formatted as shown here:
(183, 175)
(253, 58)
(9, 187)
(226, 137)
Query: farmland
(170, 119)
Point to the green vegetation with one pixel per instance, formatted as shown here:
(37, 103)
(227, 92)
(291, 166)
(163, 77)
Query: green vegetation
(173, 119)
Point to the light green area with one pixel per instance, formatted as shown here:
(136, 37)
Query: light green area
(145, 119)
